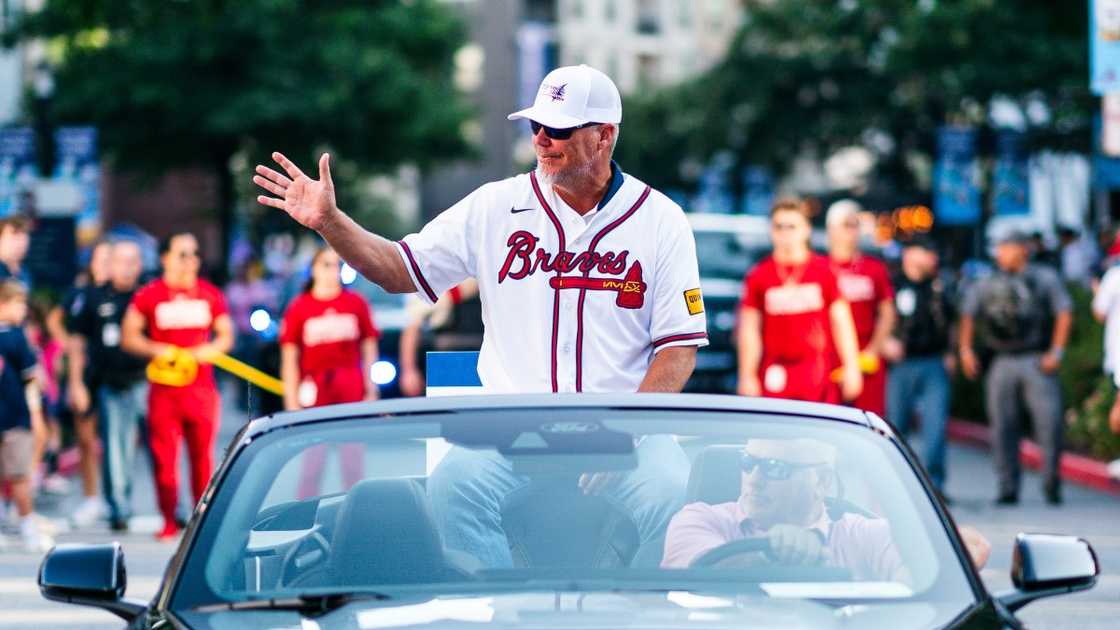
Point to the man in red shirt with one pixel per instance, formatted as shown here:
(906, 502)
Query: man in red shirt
(865, 284)
(793, 322)
(180, 310)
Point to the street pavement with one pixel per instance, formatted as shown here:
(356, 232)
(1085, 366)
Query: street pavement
(971, 485)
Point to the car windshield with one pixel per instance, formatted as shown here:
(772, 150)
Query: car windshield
(772, 506)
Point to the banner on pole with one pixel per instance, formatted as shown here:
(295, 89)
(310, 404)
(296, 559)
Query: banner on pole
(758, 190)
(18, 169)
(1104, 46)
(76, 163)
(956, 198)
(1011, 179)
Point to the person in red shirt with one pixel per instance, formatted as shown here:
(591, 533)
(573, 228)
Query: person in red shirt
(865, 284)
(793, 322)
(180, 310)
(328, 344)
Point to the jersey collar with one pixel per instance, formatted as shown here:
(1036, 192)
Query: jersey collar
(615, 185)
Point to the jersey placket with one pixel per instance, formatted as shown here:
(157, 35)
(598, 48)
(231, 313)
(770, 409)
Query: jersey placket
(578, 232)
(561, 344)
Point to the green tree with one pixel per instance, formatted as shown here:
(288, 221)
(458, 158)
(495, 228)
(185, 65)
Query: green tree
(822, 75)
(197, 82)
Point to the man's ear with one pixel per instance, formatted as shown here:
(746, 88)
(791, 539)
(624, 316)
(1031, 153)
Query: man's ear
(607, 137)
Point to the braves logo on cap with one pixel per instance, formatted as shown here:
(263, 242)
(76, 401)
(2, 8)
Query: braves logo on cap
(556, 92)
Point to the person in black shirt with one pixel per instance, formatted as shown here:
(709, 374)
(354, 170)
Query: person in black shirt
(920, 355)
(72, 408)
(121, 395)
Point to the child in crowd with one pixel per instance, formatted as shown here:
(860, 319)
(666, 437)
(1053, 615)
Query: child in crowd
(45, 342)
(20, 402)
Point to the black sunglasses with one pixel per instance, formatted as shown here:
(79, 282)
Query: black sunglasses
(776, 469)
(558, 134)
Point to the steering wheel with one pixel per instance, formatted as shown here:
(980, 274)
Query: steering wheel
(761, 545)
(301, 563)
(712, 557)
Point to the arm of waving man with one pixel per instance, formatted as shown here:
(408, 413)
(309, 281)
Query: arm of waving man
(669, 370)
(312, 204)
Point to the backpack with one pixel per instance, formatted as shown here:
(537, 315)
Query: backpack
(1014, 315)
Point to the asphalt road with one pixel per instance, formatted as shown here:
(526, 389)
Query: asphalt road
(1086, 513)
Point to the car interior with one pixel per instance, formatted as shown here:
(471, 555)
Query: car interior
(349, 539)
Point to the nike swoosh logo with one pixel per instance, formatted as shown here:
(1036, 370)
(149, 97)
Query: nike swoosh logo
(516, 210)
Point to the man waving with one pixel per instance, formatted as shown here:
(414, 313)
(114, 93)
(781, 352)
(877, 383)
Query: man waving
(588, 280)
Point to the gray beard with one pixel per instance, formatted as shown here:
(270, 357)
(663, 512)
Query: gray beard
(568, 178)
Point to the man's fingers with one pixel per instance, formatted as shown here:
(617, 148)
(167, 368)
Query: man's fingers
(270, 201)
(271, 187)
(290, 168)
(325, 170)
(273, 175)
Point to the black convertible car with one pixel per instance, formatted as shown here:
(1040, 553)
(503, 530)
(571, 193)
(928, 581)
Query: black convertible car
(637, 511)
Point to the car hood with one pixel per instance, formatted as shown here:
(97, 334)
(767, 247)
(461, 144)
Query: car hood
(589, 610)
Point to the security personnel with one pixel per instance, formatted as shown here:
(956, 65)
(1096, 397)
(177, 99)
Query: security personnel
(1022, 314)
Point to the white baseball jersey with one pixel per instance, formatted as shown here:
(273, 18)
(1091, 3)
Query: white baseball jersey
(570, 303)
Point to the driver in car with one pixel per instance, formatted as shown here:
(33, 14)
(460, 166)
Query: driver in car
(784, 484)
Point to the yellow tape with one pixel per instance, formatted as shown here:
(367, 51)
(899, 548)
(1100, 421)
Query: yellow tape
(247, 372)
(178, 368)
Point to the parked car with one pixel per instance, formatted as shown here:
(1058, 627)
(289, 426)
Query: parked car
(374, 554)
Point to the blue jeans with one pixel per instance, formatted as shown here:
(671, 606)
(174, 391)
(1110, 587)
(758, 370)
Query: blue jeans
(121, 416)
(468, 490)
(920, 386)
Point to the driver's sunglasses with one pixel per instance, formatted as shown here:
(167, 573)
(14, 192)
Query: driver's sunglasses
(558, 134)
(775, 469)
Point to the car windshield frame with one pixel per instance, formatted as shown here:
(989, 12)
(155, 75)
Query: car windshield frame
(189, 587)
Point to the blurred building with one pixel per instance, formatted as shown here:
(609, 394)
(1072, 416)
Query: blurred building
(643, 43)
(512, 45)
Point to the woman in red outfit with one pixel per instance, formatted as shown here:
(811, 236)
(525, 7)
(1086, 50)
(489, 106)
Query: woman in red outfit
(328, 344)
(793, 320)
(180, 310)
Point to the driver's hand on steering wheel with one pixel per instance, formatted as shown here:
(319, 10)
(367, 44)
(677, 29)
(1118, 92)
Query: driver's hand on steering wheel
(791, 544)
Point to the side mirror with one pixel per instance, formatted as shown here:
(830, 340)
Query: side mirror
(88, 575)
(1044, 565)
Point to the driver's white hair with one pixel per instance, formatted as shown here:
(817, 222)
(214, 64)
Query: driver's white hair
(802, 450)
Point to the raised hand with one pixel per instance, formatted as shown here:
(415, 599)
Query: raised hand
(309, 202)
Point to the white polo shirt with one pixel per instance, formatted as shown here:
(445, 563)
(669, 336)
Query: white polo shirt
(570, 303)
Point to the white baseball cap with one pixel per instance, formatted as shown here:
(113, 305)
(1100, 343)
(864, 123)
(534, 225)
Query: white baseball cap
(572, 96)
(841, 210)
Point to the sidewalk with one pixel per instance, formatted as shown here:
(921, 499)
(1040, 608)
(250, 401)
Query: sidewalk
(146, 518)
(1074, 468)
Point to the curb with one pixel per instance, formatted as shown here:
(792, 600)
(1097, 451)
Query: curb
(1078, 469)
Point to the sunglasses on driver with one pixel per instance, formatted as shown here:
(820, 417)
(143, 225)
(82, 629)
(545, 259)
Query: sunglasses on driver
(558, 134)
(774, 469)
